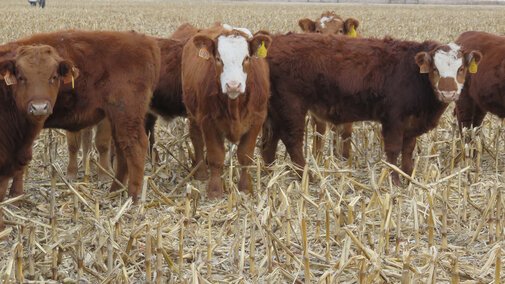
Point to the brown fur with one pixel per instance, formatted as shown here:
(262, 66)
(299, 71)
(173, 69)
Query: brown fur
(347, 80)
(214, 115)
(37, 71)
(119, 71)
(484, 91)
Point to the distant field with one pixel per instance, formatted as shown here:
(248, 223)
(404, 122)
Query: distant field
(359, 227)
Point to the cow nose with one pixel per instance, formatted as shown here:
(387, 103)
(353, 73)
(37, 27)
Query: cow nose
(39, 109)
(233, 87)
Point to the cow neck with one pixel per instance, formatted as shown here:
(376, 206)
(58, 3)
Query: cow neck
(17, 133)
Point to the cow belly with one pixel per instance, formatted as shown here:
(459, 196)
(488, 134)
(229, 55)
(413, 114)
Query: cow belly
(74, 122)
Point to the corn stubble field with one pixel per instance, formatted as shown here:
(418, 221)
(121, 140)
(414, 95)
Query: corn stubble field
(349, 225)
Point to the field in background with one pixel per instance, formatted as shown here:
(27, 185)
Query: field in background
(349, 225)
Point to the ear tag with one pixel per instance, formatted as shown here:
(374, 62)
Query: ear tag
(473, 67)
(352, 32)
(262, 51)
(204, 53)
(9, 79)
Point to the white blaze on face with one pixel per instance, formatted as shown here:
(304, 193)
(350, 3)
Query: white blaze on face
(325, 20)
(233, 49)
(448, 63)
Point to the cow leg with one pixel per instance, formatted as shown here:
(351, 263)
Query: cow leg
(346, 140)
(320, 129)
(468, 112)
(4, 182)
(121, 168)
(214, 143)
(409, 143)
(103, 138)
(149, 125)
(86, 143)
(294, 145)
(270, 140)
(73, 144)
(16, 186)
(393, 140)
(245, 153)
(197, 140)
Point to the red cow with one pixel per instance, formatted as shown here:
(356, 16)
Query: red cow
(404, 85)
(28, 92)
(119, 71)
(225, 90)
(331, 23)
(484, 91)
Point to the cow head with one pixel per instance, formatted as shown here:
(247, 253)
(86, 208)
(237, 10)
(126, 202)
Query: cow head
(446, 67)
(230, 52)
(330, 23)
(34, 76)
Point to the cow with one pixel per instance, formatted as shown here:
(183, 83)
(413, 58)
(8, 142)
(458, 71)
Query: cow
(331, 23)
(31, 78)
(225, 89)
(118, 73)
(485, 90)
(404, 85)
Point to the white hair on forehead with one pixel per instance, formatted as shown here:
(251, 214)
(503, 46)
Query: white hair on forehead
(233, 49)
(244, 30)
(325, 20)
(448, 63)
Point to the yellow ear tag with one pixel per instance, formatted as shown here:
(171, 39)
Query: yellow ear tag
(473, 67)
(352, 32)
(262, 51)
(9, 79)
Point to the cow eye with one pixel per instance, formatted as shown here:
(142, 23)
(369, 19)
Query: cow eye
(246, 59)
(340, 31)
(461, 69)
(318, 31)
(218, 59)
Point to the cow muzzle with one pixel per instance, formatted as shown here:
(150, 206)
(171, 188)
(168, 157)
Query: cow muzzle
(448, 96)
(233, 89)
(39, 108)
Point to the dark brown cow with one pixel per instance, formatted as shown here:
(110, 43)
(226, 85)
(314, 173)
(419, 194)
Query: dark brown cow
(28, 92)
(346, 80)
(331, 23)
(485, 91)
(119, 71)
(225, 90)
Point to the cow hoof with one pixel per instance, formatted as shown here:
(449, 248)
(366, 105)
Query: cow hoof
(103, 177)
(214, 194)
(72, 174)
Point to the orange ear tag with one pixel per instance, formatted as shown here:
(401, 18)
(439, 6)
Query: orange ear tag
(9, 79)
(204, 53)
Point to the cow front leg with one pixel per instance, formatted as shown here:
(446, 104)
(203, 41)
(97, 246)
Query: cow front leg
(149, 126)
(269, 141)
(103, 139)
(4, 182)
(409, 143)
(293, 140)
(393, 143)
(320, 129)
(73, 145)
(195, 135)
(121, 167)
(214, 143)
(245, 153)
(17, 186)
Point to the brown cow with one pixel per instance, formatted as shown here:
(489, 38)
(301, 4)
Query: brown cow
(484, 91)
(119, 71)
(331, 23)
(225, 89)
(404, 85)
(28, 92)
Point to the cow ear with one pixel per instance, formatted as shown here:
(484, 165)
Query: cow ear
(205, 46)
(472, 60)
(423, 60)
(68, 72)
(307, 25)
(259, 45)
(350, 26)
(8, 71)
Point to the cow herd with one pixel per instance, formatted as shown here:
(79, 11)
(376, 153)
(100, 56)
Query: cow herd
(233, 84)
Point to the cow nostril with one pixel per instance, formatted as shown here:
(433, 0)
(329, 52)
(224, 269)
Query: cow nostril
(46, 107)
